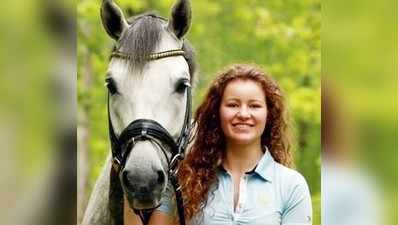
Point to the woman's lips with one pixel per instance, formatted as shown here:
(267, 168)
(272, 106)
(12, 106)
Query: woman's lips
(242, 126)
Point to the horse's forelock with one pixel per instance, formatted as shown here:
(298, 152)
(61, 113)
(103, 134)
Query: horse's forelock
(143, 37)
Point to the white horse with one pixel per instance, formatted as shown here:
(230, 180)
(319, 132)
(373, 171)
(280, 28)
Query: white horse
(142, 85)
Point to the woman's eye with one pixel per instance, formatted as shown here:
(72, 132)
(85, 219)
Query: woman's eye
(232, 105)
(255, 106)
(110, 84)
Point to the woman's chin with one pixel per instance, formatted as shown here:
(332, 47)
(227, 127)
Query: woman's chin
(243, 140)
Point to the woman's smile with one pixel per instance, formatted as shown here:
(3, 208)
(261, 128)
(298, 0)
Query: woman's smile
(243, 111)
(242, 126)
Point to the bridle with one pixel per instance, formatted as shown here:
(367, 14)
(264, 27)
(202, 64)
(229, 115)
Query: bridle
(146, 129)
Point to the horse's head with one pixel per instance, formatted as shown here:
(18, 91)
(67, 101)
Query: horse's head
(144, 88)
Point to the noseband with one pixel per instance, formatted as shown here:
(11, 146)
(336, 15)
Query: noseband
(145, 129)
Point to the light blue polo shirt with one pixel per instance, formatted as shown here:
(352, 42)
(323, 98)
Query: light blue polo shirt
(271, 194)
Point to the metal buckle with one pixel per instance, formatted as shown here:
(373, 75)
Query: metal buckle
(173, 168)
(175, 160)
(116, 164)
(144, 132)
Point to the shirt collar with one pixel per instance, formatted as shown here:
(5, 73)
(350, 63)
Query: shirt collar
(265, 167)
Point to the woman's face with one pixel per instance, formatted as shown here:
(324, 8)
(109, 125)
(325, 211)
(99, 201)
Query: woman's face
(243, 112)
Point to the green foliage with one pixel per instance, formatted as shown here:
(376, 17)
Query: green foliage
(283, 37)
(316, 208)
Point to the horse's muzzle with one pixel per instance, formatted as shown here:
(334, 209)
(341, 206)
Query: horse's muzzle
(143, 191)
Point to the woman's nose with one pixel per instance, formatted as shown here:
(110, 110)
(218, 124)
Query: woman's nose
(244, 112)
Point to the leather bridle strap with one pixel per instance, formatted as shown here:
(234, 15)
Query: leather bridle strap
(173, 167)
(144, 129)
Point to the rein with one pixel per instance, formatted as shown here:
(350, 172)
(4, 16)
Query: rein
(144, 129)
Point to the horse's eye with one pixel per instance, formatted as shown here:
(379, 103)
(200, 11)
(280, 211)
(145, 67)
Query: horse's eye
(111, 85)
(182, 85)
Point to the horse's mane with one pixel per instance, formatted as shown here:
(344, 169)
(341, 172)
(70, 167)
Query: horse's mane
(143, 37)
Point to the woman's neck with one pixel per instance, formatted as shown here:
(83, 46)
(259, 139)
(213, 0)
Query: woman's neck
(242, 158)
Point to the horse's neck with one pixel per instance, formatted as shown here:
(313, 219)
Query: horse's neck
(115, 199)
(97, 211)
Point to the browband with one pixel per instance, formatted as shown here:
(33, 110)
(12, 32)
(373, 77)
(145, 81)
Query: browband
(153, 56)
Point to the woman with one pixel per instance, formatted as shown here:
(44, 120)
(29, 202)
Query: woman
(237, 169)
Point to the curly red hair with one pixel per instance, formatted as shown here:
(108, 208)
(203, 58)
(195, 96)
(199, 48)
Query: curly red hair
(198, 171)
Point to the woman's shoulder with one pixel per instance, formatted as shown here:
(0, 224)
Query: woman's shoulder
(289, 176)
(293, 186)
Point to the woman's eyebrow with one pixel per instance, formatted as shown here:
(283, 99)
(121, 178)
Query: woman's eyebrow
(257, 100)
(233, 99)
(250, 100)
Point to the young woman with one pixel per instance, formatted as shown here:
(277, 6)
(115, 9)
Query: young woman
(237, 169)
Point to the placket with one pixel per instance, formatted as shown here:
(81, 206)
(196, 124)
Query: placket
(242, 195)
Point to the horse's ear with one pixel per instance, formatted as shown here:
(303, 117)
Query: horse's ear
(180, 19)
(112, 19)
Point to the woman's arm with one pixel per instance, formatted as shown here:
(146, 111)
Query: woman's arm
(161, 215)
(298, 207)
(157, 218)
(129, 217)
(160, 218)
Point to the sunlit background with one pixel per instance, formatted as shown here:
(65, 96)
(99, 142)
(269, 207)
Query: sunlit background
(42, 73)
(38, 112)
(283, 37)
(359, 112)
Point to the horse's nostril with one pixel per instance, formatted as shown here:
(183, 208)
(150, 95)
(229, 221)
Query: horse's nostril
(127, 181)
(161, 177)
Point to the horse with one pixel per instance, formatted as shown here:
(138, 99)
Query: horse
(149, 80)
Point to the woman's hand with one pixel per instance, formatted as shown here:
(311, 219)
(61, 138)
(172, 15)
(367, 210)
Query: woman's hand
(160, 218)
(157, 217)
(129, 217)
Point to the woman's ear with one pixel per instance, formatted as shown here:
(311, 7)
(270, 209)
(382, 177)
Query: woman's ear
(112, 19)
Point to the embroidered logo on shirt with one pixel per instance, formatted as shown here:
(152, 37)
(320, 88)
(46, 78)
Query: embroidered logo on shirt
(263, 200)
